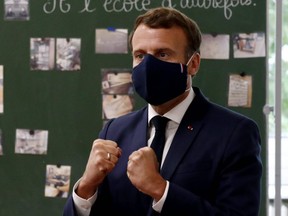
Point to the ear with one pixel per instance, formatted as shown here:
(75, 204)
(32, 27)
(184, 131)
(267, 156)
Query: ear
(194, 65)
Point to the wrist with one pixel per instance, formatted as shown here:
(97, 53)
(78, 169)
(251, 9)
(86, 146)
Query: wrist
(159, 190)
(85, 190)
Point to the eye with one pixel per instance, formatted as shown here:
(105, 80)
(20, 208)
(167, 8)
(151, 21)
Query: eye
(138, 57)
(163, 55)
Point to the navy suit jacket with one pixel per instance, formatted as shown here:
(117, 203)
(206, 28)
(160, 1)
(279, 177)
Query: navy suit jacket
(213, 169)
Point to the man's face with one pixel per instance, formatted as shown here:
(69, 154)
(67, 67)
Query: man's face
(165, 44)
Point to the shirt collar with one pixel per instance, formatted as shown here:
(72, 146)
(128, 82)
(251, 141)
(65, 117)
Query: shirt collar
(176, 114)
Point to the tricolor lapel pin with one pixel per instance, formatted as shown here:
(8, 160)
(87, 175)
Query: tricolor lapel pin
(190, 127)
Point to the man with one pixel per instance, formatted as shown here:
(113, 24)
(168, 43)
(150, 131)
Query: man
(211, 160)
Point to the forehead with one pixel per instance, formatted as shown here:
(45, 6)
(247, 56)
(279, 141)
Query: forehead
(146, 38)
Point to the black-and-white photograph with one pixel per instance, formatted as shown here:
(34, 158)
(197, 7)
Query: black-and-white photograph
(215, 46)
(116, 105)
(42, 53)
(68, 54)
(16, 10)
(116, 81)
(249, 45)
(111, 40)
(29, 141)
(57, 181)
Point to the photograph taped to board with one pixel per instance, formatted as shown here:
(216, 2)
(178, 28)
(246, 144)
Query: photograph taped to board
(30, 141)
(249, 45)
(57, 181)
(16, 10)
(111, 40)
(116, 81)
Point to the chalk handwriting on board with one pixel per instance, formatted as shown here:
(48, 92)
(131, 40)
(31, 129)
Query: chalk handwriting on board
(86, 7)
(65, 7)
(117, 6)
(126, 5)
(50, 6)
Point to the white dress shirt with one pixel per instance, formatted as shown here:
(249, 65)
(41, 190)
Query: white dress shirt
(83, 206)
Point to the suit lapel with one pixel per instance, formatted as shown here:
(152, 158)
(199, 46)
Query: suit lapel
(140, 138)
(189, 127)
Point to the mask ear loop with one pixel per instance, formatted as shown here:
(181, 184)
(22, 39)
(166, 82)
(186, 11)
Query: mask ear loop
(189, 87)
(190, 82)
(190, 59)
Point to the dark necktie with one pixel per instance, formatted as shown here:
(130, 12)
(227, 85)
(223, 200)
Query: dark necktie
(158, 142)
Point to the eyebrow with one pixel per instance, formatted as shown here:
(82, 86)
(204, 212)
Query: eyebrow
(158, 50)
(165, 50)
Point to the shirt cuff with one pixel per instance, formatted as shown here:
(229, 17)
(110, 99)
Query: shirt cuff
(83, 206)
(157, 206)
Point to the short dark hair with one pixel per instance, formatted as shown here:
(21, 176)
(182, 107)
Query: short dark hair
(164, 17)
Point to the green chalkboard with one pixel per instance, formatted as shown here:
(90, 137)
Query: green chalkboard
(68, 103)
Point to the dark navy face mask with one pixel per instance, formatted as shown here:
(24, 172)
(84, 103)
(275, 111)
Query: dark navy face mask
(158, 81)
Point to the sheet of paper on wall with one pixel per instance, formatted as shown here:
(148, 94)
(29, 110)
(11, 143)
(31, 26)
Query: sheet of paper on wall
(215, 46)
(111, 40)
(1, 89)
(29, 141)
(240, 91)
(57, 182)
